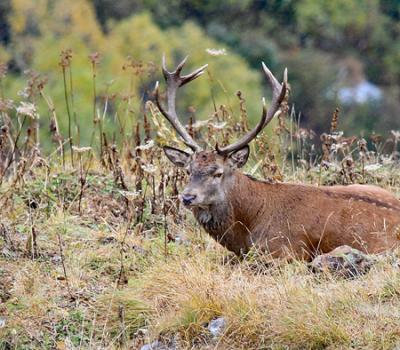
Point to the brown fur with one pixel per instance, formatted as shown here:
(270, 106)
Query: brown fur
(288, 220)
(302, 220)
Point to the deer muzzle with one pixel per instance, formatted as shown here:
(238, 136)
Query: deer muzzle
(187, 199)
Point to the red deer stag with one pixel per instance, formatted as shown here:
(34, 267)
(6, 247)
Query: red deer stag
(286, 220)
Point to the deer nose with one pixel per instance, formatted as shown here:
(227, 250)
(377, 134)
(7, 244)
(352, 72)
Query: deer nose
(188, 198)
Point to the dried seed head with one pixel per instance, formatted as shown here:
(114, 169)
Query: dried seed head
(396, 135)
(335, 119)
(95, 58)
(65, 58)
(4, 129)
(140, 68)
(362, 145)
(6, 105)
(81, 149)
(28, 109)
(349, 162)
(3, 70)
(375, 138)
(243, 112)
(41, 83)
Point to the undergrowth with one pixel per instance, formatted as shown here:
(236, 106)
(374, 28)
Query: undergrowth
(96, 251)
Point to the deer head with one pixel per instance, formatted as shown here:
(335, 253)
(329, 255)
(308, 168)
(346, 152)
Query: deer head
(211, 171)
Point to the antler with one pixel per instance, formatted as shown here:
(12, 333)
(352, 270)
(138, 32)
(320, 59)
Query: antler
(278, 94)
(174, 81)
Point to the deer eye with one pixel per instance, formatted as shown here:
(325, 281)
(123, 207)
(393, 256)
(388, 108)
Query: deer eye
(216, 175)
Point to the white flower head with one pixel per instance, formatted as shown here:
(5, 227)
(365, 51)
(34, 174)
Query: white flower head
(199, 124)
(28, 109)
(216, 52)
(23, 93)
(130, 195)
(6, 104)
(149, 168)
(218, 126)
(373, 167)
(386, 160)
(337, 135)
(148, 145)
(396, 134)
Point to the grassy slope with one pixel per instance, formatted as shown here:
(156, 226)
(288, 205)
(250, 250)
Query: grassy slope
(120, 288)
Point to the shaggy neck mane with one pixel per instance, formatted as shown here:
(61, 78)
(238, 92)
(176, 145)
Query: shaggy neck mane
(223, 220)
(214, 219)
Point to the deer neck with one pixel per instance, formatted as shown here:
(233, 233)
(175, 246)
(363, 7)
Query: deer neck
(246, 199)
(231, 221)
(215, 219)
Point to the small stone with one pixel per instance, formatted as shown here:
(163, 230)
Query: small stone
(141, 332)
(107, 240)
(157, 345)
(139, 250)
(217, 327)
(8, 254)
(56, 259)
(343, 261)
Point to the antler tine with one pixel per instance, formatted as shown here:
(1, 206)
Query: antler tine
(174, 80)
(278, 94)
(180, 65)
(182, 80)
(248, 137)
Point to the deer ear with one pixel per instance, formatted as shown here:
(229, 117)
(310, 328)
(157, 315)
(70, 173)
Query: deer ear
(176, 156)
(240, 157)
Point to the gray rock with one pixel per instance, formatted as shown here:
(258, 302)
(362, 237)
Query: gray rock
(108, 240)
(158, 345)
(343, 261)
(155, 345)
(217, 327)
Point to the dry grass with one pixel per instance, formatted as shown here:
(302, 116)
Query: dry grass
(278, 307)
(96, 252)
(174, 296)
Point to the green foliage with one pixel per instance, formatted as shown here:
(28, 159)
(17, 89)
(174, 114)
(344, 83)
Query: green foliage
(128, 68)
(313, 72)
(312, 38)
(74, 327)
(358, 26)
(339, 21)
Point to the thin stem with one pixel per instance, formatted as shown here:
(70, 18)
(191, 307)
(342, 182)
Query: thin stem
(69, 116)
(14, 149)
(95, 119)
(63, 266)
(71, 91)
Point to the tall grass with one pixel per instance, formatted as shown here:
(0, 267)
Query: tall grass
(96, 251)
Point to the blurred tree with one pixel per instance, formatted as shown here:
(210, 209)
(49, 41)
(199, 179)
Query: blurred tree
(337, 24)
(391, 8)
(277, 31)
(312, 75)
(226, 73)
(129, 65)
(4, 26)
(351, 26)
